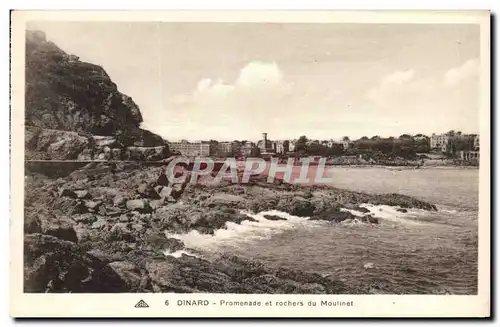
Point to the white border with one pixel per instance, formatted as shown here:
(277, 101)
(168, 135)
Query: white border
(372, 306)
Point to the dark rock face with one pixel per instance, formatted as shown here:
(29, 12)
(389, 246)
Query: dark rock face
(404, 201)
(273, 217)
(54, 265)
(334, 215)
(228, 274)
(64, 93)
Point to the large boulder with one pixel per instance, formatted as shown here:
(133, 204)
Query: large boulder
(54, 144)
(135, 279)
(297, 206)
(140, 205)
(54, 265)
(333, 216)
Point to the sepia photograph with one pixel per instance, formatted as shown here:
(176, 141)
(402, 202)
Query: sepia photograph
(247, 157)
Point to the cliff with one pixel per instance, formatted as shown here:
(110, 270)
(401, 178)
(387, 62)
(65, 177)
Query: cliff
(64, 93)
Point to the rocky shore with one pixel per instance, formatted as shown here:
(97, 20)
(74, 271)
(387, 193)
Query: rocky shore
(102, 228)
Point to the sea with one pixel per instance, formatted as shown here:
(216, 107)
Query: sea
(417, 252)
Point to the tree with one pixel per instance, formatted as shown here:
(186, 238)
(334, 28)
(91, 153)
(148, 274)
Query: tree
(422, 144)
(346, 139)
(335, 149)
(301, 144)
(286, 145)
(405, 137)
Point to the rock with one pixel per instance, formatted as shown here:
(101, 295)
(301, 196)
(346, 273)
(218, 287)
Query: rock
(274, 217)
(32, 224)
(119, 200)
(134, 279)
(158, 188)
(159, 241)
(298, 206)
(224, 200)
(112, 212)
(67, 192)
(124, 219)
(83, 194)
(147, 190)
(165, 192)
(361, 209)
(173, 244)
(403, 201)
(402, 210)
(50, 144)
(87, 218)
(116, 154)
(140, 205)
(93, 106)
(146, 153)
(138, 227)
(333, 215)
(99, 224)
(93, 206)
(59, 227)
(54, 265)
(120, 232)
(82, 233)
(155, 204)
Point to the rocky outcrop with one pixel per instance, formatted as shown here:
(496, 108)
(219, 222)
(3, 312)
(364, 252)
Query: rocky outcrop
(66, 94)
(106, 223)
(48, 144)
(54, 265)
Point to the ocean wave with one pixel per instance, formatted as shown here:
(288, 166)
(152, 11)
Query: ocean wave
(391, 213)
(178, 253)
(245, 232)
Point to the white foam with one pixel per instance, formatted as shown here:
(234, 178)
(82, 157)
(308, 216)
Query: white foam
(247, 231)
(355, 212)
(391, 213)
(178, 253)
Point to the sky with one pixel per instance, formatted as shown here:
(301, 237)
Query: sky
(234, 81)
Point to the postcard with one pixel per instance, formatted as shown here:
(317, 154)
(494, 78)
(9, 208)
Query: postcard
(250, 164)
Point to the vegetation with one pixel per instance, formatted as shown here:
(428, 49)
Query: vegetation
(405, 146)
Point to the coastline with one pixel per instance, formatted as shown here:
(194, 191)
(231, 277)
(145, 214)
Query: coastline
(104, 226)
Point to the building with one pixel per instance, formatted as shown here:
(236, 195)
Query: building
(192, 149)
(228, 149)
(282, 146)
(249, 149)
(265, 145)
(476, 143)
(439, 141)
(469, 155)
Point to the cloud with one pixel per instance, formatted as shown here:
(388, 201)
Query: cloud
(394, 85)
(260, 74)
(255, 98)
(254, 80)
(397, 78)
(457, 75)
(449, 98)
